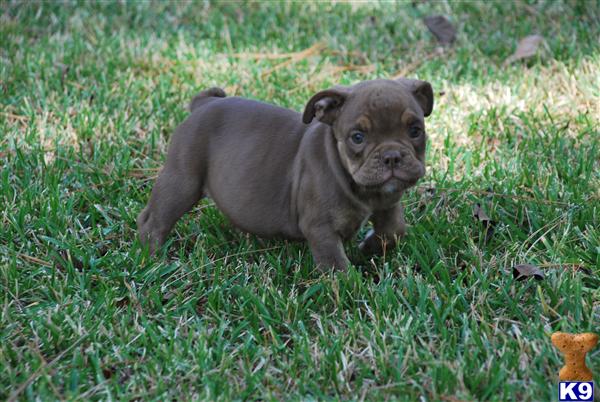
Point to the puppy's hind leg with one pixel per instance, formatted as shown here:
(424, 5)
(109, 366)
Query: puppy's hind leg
(180, 184)
(174, 194)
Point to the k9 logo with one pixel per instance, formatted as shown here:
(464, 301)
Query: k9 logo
(574, 391)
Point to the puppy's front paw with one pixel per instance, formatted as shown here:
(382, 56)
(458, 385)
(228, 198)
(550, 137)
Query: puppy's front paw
(372, 244)
(147, 232)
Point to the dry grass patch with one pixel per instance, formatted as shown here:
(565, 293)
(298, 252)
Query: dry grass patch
(564, 92)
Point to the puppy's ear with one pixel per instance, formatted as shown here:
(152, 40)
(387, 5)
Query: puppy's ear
(325, 105)
(422, 92)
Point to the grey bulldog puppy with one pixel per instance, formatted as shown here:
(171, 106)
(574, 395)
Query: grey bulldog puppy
(317, 177)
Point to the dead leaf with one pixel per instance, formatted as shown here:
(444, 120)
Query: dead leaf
(488, 224)
(524, 271)
(122, 302)
(441, 28)
(427, 194)
(480, 214)
(527, 47)
(108, 372)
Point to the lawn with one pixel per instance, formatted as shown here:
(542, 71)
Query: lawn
(89, 96)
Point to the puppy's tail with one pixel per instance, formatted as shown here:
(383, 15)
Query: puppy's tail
(206, 96)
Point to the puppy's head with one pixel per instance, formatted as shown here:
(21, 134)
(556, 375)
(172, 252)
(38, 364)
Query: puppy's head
(380, 130)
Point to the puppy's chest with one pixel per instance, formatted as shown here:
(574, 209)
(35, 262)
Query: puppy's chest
(348, 222)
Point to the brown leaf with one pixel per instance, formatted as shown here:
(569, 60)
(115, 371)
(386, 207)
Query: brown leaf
(480, 214)
(441, 28)
(122, 302)
(488, 224)
(427, 194)
(527, 47)
(524, 271)
(108, 372)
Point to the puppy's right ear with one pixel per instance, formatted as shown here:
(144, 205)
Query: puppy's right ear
(325, 105)
(422, 92)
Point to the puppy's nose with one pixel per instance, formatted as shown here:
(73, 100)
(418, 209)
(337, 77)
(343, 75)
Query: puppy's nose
(391, 158)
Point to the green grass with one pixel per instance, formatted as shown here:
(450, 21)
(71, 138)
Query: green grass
(89, 95)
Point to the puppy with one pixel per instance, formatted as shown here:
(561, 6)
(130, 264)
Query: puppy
(317, 177)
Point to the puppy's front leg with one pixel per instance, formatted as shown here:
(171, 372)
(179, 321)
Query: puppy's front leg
(388, 225)
(327, 249)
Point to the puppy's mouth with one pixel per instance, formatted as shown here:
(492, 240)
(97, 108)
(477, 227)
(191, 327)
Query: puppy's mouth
(391, 181)
(390, 184)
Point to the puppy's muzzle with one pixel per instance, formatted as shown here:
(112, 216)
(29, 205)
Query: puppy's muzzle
(391, 159)
(402, 165)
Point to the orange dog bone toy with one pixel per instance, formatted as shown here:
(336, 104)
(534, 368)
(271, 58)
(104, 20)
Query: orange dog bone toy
(574, 347)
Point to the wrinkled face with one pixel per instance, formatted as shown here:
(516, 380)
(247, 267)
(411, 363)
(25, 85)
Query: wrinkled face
(379, 129)
(381, 138)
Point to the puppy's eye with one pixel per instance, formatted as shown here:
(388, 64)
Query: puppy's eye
(357, 137)
(414, 131)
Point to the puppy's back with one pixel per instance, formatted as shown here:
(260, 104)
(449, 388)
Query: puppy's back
(206, 96)
(246, 150)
